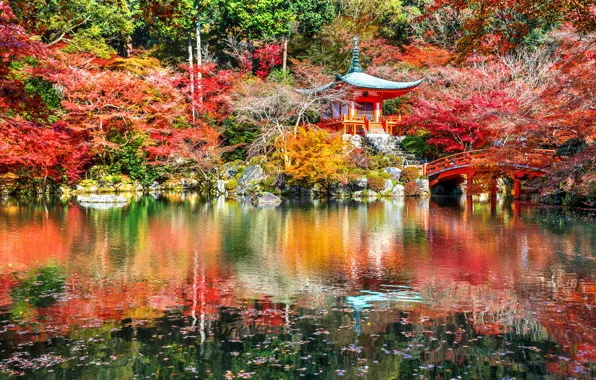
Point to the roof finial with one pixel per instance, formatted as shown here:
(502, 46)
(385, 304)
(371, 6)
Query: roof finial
(355, 66)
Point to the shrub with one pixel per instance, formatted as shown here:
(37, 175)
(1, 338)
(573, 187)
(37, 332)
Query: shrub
(376, 182)
(112, 178)
(359, 158)
(410, 174)
(411, 189)
(232, 185)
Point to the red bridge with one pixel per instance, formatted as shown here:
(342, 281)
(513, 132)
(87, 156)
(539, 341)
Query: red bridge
(524, 165)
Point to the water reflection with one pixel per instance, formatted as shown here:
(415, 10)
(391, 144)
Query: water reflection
(197, 288)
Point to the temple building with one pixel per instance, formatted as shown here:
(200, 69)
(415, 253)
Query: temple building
(363, 112)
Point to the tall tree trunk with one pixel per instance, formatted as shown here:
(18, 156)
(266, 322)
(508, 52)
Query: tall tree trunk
(285, 56)
(192, 81)
(128, 46)
(199, 58)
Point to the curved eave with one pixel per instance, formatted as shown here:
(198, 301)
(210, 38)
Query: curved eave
(368, 82)
(310, 91)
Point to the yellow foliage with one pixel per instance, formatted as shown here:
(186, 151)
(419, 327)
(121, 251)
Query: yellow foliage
(312, 157)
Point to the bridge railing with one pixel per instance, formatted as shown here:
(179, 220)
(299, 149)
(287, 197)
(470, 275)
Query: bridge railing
(536, 158)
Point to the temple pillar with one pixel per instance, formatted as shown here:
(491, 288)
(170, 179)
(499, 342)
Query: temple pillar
(377, 112)
(469, 182)
(517, 188)
(353, 109)
(493, 188)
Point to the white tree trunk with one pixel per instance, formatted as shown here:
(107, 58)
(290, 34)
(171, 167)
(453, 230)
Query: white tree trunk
(199, 57)
(285, 56)
(192, 81)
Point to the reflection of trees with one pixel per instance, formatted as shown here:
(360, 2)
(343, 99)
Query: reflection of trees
(505, 272)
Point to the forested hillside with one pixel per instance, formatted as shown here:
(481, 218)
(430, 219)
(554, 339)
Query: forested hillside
(149, 91)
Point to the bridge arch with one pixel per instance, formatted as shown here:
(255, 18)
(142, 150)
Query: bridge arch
(465, 166)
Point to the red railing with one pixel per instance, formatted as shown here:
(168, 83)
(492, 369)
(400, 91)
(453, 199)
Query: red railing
(348, 124)
(535, 158)
(389, 123)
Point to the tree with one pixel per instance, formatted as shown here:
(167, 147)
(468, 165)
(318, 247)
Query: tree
(83, 25)
(256, 19)
(312, 157)
(276, 108)
(458, 125)
(491, 26)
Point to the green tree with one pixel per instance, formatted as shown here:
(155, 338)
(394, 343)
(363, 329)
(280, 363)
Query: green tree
(99, 27)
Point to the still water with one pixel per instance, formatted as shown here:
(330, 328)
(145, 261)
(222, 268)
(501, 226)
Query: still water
(183, 287)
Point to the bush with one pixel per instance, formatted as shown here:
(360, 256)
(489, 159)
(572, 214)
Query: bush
(411, 189)
(410, 174)
(376, 182)
(232, 185)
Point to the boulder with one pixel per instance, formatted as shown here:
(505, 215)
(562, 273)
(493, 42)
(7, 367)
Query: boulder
(388, 185)
(79, 188)
(338, 190)
(266, 199)
(365, 194)
(252, 173)
(221, 187)
(93, 189)
(424, 185)
(361, 184)
(394, 172)
(103, 198)
(398, 191)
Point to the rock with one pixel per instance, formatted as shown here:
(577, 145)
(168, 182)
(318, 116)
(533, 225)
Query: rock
(138, 187)
(355, 140)
(105, 198)
(365, 194)
(424, 185)
(221, 187)
(360, 184)
(79, 188)
(93, 189)
(252, 173)
(398, 191)
(388, 185)
(154, 186)
(266, 199)
(338, 191)
(395, 172)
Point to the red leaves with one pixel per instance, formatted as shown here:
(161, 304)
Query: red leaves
(47, 152)
(459, 125)
(268, 56)
(14, 41)
(212, 88)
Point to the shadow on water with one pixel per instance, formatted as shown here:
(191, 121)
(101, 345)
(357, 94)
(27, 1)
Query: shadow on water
(194, 288)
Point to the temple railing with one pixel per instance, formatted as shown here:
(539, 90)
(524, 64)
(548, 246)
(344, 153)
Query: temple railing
(353, 125)
(535, 158)
(390, 125)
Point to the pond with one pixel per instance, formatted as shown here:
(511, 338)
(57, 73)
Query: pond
(185, 287)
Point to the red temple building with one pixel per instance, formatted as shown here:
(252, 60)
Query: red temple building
(363, 113)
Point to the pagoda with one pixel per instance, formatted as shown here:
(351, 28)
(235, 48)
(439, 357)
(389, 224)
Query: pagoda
(363, 113)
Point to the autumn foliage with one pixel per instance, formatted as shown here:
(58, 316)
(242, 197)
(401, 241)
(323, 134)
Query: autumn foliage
(311, 157)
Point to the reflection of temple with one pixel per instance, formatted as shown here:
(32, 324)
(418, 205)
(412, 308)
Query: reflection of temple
(364, 112)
